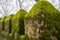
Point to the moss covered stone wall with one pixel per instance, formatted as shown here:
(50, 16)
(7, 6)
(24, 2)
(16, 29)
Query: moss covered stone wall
(3, 24)
(12, 26)
(0, 26)
(8, 25)
(18, 24)
(42, 22)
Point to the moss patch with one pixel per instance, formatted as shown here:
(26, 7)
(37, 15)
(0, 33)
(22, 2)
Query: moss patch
(8, 23)
(18, 22)
(22, 37)
(18, 19)
(51, 19)
(42, 6)
(3, 23)
(0, 25)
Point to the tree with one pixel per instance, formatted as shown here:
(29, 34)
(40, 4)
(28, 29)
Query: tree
(11, 6)
(7, 7)
(2, 4)
(59, 4)
(36, 0)
(21, 2)
(39, 0)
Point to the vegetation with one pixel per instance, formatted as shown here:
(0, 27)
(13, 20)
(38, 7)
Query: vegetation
(18, 20)
(40, 6)
(22, 37)
(51, 19)
(12, 24)
(18, 23)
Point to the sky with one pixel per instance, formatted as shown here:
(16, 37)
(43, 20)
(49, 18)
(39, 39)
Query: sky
(13, 6)
(55, 3)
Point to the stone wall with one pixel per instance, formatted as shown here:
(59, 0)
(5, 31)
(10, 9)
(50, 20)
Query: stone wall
(12, 26)
(0, 26)
(18, 24)
(42, 22)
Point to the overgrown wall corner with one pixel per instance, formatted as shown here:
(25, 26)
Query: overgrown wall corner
(42, 21)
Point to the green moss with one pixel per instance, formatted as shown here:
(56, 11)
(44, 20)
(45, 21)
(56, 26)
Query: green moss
(42, 6)
(8, 22)
(0, 25)
(3, 19)
(45, 36)
(18, 18)
(3, 23)
(9, 17)
(20, 13)
(10, 36)
(22, 37)
(51, 18)
(18, 22)
(8, 25)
